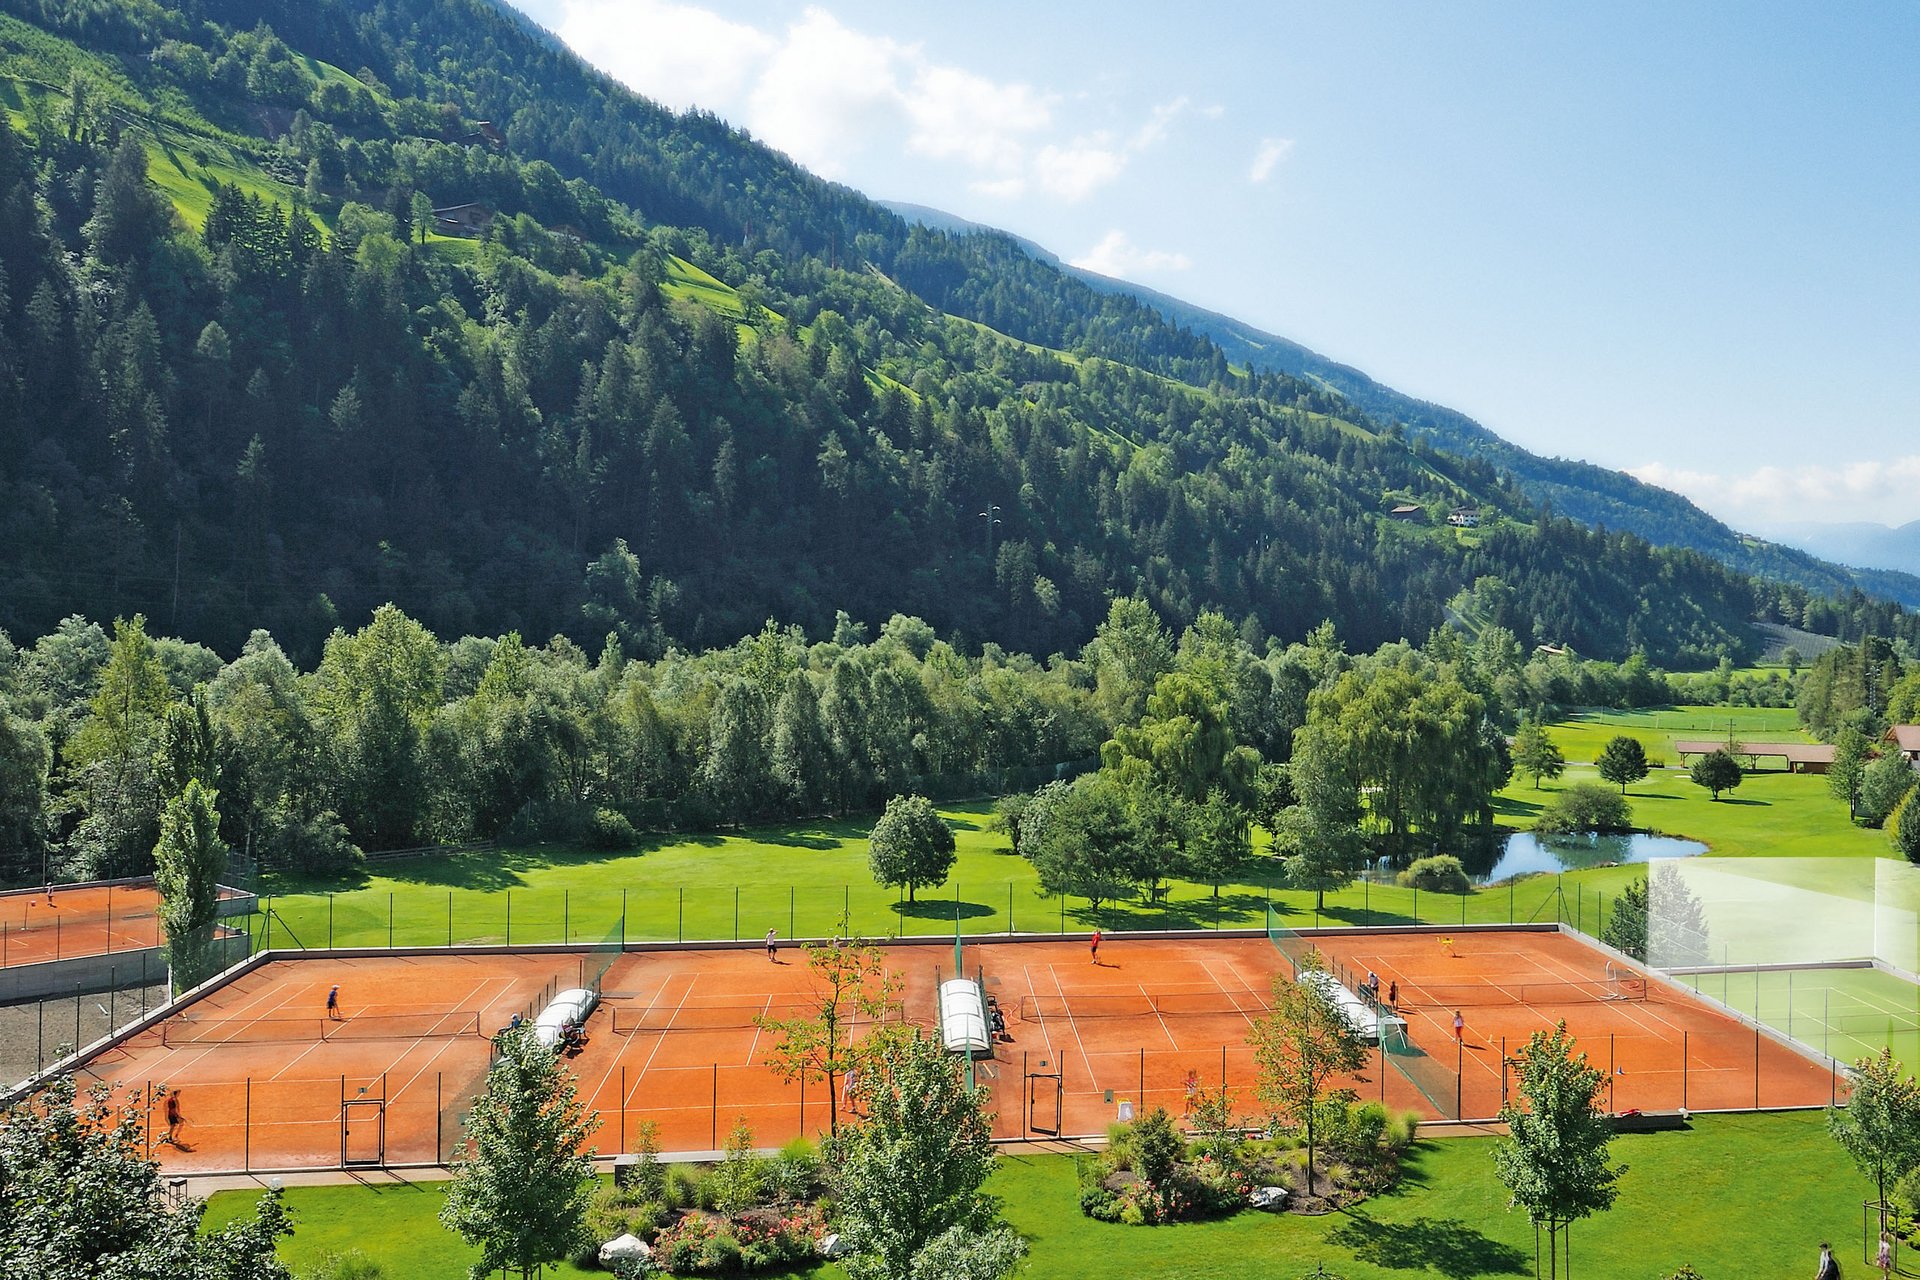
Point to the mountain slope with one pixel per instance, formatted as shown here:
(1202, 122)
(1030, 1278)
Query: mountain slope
(591, 367)
(1580, 490)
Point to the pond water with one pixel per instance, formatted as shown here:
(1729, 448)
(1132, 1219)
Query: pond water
(1525, 852)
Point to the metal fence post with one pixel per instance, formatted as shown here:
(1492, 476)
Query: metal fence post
(329, 922)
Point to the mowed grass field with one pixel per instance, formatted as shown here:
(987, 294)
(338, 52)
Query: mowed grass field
(1748, 1196)
(1581, 734)
(803, 879)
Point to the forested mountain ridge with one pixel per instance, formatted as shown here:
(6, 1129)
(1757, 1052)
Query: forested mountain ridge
(1582, 491)
(669, 386)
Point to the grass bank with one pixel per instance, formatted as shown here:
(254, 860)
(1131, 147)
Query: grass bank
(1745, 1196)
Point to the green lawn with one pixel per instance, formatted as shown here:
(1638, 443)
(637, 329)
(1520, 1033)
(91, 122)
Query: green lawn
(1739, 1196)
(1580, 734)
(802, 880)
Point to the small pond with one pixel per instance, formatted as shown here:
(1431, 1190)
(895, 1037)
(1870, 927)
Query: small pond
(1524, 853)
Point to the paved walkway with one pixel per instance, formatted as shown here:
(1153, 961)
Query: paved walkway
(206, 1186)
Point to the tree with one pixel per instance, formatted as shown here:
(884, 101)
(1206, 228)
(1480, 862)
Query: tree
(1903, 826)
(1880, 1125)
(1317, 853)
(1626, 928)
(1883, 785)
(911, 845)
(907, 1180)
(1300, 1045)
(24, 759)
(373, 696)
(1554, 1160)
(1623, 761)
(1677, 931)
(1535, 753)
(1717, 771)
(1183, 745)
(851, 983)
(111, 755)
(79, 1202)
(520, 1187)
(1586, 806)
(1852, 749)
(187, 863)
(1086, 847)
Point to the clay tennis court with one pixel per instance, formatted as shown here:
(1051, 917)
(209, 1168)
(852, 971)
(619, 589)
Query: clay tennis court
(1662, 1049)
(79, 920)
(675, 1042)
(265, 1081)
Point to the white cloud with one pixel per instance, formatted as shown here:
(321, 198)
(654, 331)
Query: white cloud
(675, 54)
(1265, 160)
(1116, 255)
(827, 94)
(1159, 124)
(1077, 170)
(1883, 491)
(956, 114)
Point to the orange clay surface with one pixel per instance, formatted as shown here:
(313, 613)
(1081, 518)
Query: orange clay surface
(258, 1086)
(82, 920)
(1661, 1053)
(674, 1042)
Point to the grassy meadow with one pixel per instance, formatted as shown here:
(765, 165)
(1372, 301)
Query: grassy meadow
(1747, 1196)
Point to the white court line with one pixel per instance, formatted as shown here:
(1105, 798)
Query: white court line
(1164, 1030)
(663, 1033)
(447, 1042)
(1045, 1037)
(652, 1003)
(1071, 1025)
(766, 1003)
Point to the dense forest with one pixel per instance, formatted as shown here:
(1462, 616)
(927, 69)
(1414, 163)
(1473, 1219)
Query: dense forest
(395, 737)
(673, 386)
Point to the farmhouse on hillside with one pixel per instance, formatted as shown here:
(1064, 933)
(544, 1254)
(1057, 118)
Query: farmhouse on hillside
(1905, 739)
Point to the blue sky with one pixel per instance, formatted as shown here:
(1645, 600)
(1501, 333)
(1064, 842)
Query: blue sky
(1680, 240)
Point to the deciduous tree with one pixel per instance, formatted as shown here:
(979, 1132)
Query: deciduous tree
(187, 863)
(906, 1181)
(1536, 754)
(1879, 1128)
(1554, 1161)
(1717, 771)
(851, 983)
(911, 845)
(1623, 761)
(520, 1187)
(79, 1201)
(1300, 1046)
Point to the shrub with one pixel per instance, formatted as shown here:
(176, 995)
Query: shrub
(1157, 1147)
(351, 1265)
(1586, 806)
(1883, 785)
(1903, 826)
(794, 1174)
(683, 1186)
(609, 829)
(647, 1180)
(1441, 873)
(735, 1183)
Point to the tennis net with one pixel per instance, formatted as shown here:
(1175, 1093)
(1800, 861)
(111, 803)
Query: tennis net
(629, 1021)
(393, 1026)
(1162, 1004)
(1466, 995)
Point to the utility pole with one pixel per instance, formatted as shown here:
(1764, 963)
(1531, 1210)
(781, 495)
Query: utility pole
(992, 516)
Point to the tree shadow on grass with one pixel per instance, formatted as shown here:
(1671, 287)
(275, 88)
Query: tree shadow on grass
(1447, 1246)
(941, 909)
